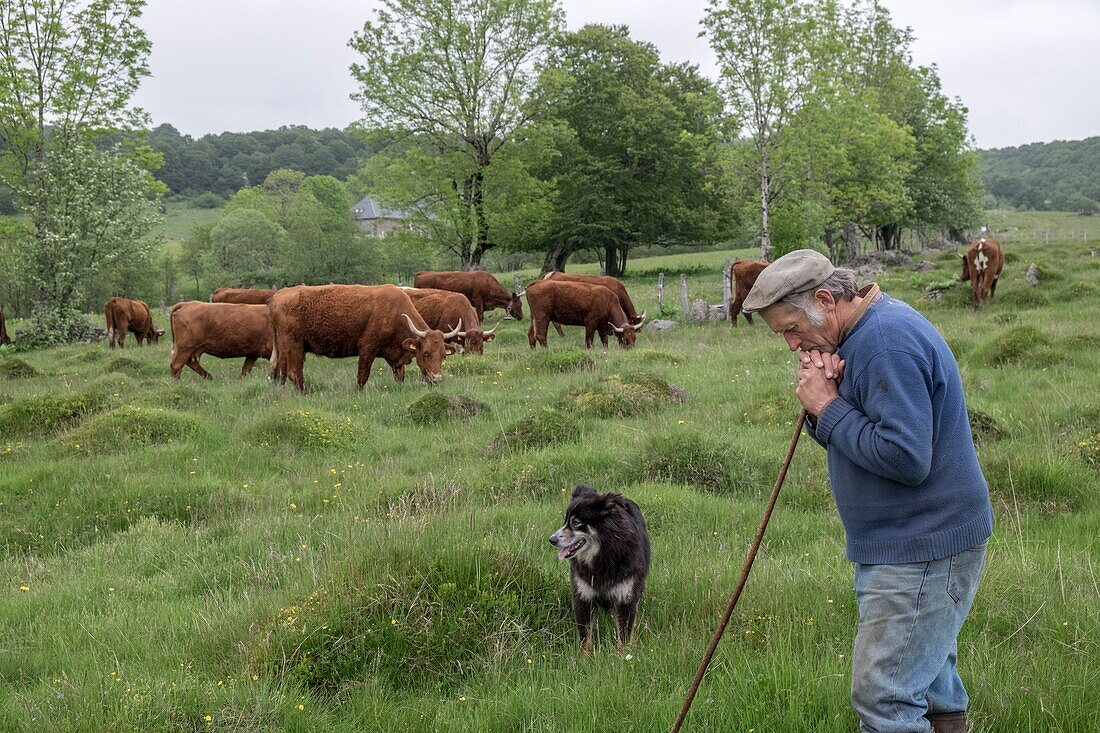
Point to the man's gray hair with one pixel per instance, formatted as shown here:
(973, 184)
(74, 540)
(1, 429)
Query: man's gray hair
(842, 285)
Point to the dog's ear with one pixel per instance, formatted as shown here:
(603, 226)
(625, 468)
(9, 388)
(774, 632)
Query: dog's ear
(582, 490)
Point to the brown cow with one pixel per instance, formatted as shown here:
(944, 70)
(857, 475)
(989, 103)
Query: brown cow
(443, 310)
(611, 283)
(125, 314)
(743, 274)
(3, 331)
(340, 321)
(224, 330)
(578, 304)
(484, 291)
(982, 265)
(241, 295)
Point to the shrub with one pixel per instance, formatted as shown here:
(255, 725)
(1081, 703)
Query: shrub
(305, 429)
(538, 429)
(434, 408)
(207, 200)
(1020, 345)
(43, 414)
(426, 620)
(15, 368)
(687, 457)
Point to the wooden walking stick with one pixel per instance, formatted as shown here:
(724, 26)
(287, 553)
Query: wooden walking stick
(744, 576)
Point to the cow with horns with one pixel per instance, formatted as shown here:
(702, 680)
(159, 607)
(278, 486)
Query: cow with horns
(443, 310)
(578, 304)
(981, 265)
(340, 321)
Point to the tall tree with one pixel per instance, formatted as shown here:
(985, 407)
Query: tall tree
(459, 73)
(637, 149)
(68, 69)
(768, 51)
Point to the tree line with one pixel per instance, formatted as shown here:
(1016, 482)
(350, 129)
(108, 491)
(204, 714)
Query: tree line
(495, 131)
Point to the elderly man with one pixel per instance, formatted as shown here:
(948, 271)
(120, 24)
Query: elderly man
(883, 396)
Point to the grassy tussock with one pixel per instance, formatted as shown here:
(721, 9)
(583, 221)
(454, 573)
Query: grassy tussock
(305, 429)
(692, 458)
(1023, 298)
(471, 365)
(618, 395)
(1020, 345)
(411, 625)
(41, 415)
(13, 367)
(538, 429)
(546, 361)
(128, 426)
(435, 408)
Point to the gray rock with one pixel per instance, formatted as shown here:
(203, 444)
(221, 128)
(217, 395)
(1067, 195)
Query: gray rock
(1031, 277)
(924, 266)
(660, 325)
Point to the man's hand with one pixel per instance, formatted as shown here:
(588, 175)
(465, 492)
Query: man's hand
(818, 374)
(832, 364)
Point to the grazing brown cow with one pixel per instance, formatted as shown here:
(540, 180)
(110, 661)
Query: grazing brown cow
(743, 274)
(611, 283)
(241, 295)
(578, 304)
(340, 321)
(982, 265)
(443, 310)
(484, 291)
(124, 314)
(224, 330)
(3, 331)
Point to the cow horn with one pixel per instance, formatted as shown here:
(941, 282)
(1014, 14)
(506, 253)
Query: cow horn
(413, 328)
(521, 293)
(490, 331)
(638, 325)
(455, 332)
(617, 329)
(960, 254)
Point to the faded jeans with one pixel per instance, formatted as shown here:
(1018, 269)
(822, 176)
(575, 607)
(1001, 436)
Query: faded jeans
(903, 663)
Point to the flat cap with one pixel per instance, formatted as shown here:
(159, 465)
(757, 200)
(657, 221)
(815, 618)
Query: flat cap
(802, 269)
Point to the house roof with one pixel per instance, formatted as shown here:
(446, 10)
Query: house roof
(367, 208)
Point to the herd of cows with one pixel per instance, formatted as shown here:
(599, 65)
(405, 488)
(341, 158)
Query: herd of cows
(441, 314)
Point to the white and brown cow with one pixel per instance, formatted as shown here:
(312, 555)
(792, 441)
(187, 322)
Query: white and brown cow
(982, 265)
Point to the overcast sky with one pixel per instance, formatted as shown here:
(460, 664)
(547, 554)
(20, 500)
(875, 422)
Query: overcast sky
(1028, 70)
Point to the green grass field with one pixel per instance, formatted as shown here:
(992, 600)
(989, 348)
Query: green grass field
(231, 556)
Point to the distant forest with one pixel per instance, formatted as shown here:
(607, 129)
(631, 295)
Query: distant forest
(1057, 176)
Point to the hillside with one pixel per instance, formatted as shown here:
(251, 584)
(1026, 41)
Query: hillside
(1056, 176)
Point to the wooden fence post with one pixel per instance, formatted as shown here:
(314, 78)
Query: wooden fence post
(727, 289)
(684, 293)
(660, 292)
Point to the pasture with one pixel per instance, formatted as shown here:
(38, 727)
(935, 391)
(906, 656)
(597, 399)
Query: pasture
(231, 556)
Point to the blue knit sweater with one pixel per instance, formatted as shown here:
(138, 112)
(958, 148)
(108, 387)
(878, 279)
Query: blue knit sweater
(902, 464)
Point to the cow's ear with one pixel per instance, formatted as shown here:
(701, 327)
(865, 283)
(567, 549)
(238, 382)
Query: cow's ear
(490, 337)
(449, 349)
(160, 332)
(410, 344)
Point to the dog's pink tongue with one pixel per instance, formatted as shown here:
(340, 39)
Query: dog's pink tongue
(563, 553)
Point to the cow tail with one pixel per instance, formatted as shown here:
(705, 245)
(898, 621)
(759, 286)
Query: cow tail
(172, 330)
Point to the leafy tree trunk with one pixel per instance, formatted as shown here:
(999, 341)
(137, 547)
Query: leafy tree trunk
(481, 223)
(614, 260)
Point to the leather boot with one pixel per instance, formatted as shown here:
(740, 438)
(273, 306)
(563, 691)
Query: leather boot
(947, 722)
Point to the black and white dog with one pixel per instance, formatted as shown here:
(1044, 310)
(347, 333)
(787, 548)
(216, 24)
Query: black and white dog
(605, 538)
